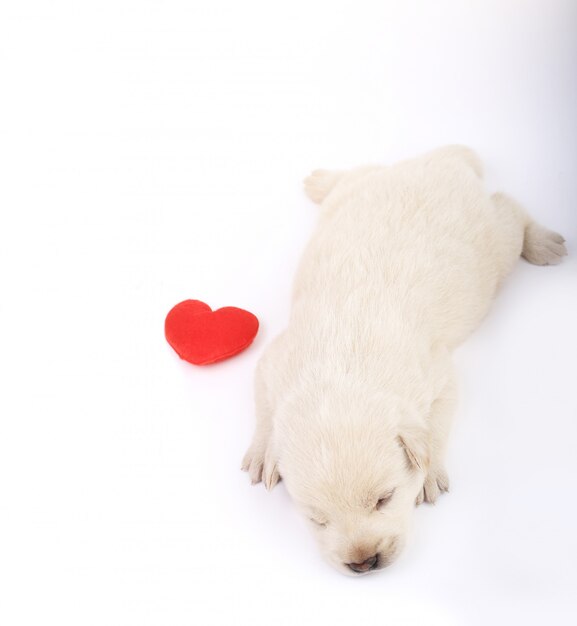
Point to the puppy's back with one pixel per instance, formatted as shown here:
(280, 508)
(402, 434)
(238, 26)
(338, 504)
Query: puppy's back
(421, 238)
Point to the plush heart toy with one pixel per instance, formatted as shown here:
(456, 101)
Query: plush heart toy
(201, 336)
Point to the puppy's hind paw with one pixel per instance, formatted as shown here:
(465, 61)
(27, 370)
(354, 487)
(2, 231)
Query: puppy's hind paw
(435, 484)
(543, 246)
(319, 184)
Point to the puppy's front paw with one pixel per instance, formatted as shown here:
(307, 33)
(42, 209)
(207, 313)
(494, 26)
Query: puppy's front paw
(435, 484)
(259, 464)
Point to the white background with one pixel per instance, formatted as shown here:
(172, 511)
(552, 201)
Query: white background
(152, 152)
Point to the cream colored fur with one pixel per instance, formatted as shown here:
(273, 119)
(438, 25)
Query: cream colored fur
(354, 400)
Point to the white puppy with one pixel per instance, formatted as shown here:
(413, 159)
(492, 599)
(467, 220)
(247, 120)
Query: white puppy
(354, 399)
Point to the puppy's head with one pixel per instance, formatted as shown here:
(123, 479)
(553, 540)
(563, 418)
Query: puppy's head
(356, 479)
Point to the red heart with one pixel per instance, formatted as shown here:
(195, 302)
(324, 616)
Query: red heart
(201, 336)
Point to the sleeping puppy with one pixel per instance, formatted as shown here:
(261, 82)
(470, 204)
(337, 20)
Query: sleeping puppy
(354, 399)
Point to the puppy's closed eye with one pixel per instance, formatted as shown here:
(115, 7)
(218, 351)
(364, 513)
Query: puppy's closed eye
(318, 523)
(382, 502)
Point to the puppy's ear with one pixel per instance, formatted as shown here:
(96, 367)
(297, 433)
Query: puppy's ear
(414, 440)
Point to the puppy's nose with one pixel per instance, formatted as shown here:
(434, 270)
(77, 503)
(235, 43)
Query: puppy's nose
(365, 566)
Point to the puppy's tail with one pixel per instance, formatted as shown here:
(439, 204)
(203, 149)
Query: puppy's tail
(461, 153)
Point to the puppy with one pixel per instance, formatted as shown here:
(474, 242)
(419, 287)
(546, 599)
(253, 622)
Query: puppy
(354, 399)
